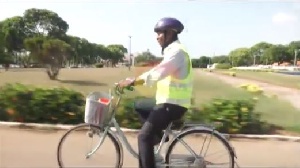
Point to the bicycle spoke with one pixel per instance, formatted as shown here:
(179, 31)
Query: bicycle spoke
(209, 141)
(72, 157)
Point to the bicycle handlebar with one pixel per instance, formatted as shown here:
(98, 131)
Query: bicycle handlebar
(120, 90)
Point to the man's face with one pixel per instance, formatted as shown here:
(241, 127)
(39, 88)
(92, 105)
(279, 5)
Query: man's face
(160, 38)
(164, 38)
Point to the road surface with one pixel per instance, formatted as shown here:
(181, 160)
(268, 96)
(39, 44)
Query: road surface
(36, 149)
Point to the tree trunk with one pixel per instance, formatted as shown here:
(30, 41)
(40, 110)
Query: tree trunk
(53, 71)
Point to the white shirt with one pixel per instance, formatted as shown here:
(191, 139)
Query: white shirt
(174, 63)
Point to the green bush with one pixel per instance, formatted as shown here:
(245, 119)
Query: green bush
(223, 66)
(234, 116)
(33, 104)
(58, 105)
(126, 116)
(99, 65)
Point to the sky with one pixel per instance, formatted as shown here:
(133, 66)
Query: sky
(212, 27)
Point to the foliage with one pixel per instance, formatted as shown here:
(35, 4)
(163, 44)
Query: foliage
(36, 24)
(260, 53)
(58, 105)
(144, 57)
(223, 66)
(234, 116)
(126, 116)
(252, 88)
(33, 104)
(40, 36)
(99, 65)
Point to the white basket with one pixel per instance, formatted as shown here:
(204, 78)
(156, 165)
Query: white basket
(95, 111)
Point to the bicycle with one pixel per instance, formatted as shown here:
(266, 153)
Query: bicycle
(103, 122)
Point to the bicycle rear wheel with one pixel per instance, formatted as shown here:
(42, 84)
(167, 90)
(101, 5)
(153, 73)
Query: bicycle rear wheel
(94, 154)
(199, 161)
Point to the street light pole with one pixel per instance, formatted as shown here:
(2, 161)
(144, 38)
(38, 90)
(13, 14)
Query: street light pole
(254, 61)
(295, 59)
(131, 62)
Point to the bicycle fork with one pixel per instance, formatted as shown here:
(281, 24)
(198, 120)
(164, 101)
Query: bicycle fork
(99, 144)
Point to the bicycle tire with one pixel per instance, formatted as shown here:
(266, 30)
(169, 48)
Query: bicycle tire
(118, 147)
(203, 131)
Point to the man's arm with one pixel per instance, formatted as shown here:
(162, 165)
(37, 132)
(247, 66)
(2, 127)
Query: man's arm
(167, 67)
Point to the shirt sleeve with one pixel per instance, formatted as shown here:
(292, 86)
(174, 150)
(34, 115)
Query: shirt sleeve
(172, 63)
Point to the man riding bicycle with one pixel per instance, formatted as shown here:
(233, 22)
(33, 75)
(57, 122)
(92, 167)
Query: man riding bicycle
(173, 78)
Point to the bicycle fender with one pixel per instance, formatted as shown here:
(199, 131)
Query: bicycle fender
(202, 127)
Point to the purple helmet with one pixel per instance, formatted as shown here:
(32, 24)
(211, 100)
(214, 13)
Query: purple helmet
(169, 23)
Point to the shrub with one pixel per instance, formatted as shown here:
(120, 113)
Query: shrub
(33, 104)
(223, 66)
(252, 88)
(58, 105)
(99, 65)
(126, 116)
(234, 116)
(232, 74)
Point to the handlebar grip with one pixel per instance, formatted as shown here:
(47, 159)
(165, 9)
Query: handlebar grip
(130, 88)
(139, 82)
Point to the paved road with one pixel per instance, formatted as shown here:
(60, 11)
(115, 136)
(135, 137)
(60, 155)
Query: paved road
(37, 149)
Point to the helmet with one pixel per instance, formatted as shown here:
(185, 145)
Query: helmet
(169, 23)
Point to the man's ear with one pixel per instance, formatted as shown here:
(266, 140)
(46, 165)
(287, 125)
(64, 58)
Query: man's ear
(169, 35)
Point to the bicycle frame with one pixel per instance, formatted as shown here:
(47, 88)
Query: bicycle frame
(121, 136)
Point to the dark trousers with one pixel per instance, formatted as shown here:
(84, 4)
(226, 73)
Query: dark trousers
(155, 119)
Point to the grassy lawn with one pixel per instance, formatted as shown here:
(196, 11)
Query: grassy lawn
(291, 81)
(86, 80)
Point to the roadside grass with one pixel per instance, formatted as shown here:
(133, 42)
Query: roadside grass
(291, 81)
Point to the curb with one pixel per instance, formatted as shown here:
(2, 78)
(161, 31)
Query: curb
(126, 130)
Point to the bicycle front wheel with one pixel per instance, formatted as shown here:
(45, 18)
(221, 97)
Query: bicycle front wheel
(212, 151)
(86, 145)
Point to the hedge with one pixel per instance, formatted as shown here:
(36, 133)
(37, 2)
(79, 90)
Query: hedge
(23, 103)
(99, 65)
(223, 66)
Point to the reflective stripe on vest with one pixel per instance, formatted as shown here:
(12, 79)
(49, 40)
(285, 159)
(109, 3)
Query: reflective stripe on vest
(175, 91)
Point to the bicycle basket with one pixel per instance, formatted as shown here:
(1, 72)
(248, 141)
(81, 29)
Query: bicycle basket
(97, 108)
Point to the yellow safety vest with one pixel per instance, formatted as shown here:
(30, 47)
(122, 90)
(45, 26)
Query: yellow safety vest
(176, 91)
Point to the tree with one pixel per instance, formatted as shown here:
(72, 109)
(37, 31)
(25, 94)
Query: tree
(116, 53)
(144, 57)
(45, 34)
(45, 22)
(222, 59)
(277, 53)
(14, 32)
(257, 51)
(240, 57)
(50, 52)
(203, 62)
(42, 33)
(292, 47)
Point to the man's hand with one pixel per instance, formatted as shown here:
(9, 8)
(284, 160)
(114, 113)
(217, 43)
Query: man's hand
(126, 82)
